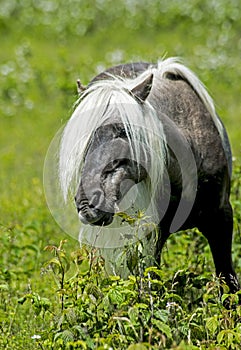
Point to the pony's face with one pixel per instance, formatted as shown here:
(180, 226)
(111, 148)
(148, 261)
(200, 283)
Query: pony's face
(107, 175)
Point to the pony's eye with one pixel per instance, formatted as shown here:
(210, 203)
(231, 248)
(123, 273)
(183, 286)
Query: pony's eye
(122, 132)
(117, 163)
(113, 165)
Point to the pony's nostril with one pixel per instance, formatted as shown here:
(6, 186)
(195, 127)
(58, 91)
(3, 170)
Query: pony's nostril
(81, 206)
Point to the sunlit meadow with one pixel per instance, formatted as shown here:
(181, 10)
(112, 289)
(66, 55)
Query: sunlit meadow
(53, 295)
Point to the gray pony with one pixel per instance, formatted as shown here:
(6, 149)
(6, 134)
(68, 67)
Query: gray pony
(152, 128)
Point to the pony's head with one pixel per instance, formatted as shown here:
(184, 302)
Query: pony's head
(111, 143)
(107, 175)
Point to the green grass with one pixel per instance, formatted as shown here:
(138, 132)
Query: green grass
(45, 47)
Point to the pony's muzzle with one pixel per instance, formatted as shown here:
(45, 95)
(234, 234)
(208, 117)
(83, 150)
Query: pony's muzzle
(92, 211)
(101, 219)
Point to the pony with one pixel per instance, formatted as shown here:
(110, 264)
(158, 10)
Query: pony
(150, 133)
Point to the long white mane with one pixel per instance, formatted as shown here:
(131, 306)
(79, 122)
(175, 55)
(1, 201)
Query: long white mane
(111, 97)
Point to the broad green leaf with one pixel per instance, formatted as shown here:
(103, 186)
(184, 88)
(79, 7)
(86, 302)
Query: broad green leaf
(226, 337)
(212, 324)
(116, 297)
(162, 315)
(163, 327)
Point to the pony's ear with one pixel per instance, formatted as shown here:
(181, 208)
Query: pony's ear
(142, 90)
(80, 87)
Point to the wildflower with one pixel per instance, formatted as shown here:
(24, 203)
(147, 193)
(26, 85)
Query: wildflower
(171, 304)
(36, 336)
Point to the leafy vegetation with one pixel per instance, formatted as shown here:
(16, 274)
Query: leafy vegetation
(55, 295)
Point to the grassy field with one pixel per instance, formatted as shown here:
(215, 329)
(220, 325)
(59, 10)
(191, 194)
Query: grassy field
(56, 298)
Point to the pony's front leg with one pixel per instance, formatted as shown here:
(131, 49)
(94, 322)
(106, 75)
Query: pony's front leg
(163, 235)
